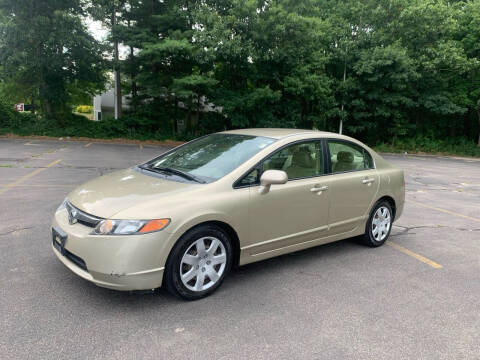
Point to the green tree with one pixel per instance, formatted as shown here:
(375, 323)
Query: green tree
(46, 50)
(269, 60)
(468, 88)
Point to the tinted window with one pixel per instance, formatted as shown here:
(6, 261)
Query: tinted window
(299, 160)
(250, 179)
(347, 156)
(212, 157)
(368, 160)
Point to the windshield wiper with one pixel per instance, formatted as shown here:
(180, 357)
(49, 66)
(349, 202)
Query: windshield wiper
(181, 173)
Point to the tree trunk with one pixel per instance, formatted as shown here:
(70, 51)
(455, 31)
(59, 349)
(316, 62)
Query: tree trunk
(198, 112)
(189, 116)
(118, 87)
(134, 83)
(478, 114)
(32, 110)
(175, 115)
(340, 130)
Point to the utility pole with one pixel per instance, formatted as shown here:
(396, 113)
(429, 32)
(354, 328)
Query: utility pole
(118, 87)
(340, 130)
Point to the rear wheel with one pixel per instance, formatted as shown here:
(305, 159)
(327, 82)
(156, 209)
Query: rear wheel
(198, 263)
(379, 224)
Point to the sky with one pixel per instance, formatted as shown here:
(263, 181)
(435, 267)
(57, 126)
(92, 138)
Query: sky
(96, 29)
(100, 33)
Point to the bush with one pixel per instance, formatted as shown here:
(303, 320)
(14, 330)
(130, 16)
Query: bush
(455, 146)
(7, 113)
(84, 109)
(79, 126)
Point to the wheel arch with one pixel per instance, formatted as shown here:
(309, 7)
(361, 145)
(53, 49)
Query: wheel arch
(227, 228)
(390, 201)
(232, 234)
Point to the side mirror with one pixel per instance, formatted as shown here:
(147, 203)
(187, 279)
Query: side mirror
(271, 177)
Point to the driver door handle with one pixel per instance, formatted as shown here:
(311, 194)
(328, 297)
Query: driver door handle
(319, 189)
(368, 181)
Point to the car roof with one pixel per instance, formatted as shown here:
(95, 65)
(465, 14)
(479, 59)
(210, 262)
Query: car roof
(279, 133)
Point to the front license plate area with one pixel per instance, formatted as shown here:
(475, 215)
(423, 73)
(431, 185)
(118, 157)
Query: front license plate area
(59, 239)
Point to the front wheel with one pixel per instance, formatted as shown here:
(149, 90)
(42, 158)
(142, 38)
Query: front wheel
(198, 263)
(379, 224)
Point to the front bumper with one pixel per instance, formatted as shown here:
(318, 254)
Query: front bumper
(121, 262)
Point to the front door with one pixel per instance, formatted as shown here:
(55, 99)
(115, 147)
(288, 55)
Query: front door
(294, 212)
(353, 185)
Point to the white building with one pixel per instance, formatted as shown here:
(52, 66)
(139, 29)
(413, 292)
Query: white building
(104, 104)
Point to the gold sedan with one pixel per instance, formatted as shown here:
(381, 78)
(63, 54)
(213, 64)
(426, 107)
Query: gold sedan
(231, 198)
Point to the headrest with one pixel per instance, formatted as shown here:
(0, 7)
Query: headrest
(345, 157)
(302, 159)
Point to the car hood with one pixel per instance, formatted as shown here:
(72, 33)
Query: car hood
(109, 194)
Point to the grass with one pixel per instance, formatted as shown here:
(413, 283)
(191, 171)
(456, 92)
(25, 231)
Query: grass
(6, 166)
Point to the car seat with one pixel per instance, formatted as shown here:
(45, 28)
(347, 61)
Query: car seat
(344, 161)
(303, 165)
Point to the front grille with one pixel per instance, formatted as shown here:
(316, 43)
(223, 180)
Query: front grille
(76, 215)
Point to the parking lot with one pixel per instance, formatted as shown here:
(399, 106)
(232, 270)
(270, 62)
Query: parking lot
(415, 298)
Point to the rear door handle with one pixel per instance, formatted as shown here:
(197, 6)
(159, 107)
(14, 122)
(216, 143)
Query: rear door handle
(319, 189)
(368, 181)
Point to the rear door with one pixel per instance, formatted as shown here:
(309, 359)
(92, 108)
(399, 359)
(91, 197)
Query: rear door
(353, 185)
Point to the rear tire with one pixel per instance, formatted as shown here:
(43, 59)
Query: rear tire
(198, 262)
(379, 224)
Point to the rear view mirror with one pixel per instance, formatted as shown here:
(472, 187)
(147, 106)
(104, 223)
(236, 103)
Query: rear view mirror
(272, 177)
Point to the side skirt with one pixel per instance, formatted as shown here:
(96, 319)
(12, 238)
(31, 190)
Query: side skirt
(246, 257)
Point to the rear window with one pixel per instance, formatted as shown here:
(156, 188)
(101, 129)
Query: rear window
(347, 156)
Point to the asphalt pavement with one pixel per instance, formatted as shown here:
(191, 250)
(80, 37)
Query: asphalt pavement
(417, 297)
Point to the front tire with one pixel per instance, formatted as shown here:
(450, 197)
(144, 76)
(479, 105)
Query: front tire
(198, 262)
(379, 224)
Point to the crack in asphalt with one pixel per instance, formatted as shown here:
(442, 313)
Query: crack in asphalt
(406, 229)
(15, 230)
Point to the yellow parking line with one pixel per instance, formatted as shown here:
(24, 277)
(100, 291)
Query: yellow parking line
(30, 144)
(445, 211)
(415, 255)
(87, 145)
(26, 177)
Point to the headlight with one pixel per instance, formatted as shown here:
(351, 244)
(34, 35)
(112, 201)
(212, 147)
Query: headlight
(129, 227)
(63, 205)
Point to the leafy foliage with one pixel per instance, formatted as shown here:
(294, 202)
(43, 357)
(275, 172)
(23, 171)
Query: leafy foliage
(394, 71)
(84, 109)
(47, 52)
(7, 113)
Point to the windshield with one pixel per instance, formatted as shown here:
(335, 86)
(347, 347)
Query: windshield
(213, 156)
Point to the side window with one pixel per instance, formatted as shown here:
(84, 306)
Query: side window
(300, 160)
(368, 160)
(250, 179)
(346, 156)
